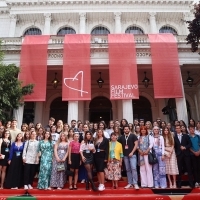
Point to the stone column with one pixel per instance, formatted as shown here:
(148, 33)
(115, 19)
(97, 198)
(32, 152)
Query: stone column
(118, 26)
(127, 109)
(181, 106)
(18, 115)
(152, 21)
(72, 111)
(38, 112)
(47, 24)
(82, 28)
(197, 108)
(13, 21)
(81, 110)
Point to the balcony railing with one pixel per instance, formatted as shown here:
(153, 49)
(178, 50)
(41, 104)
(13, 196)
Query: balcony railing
(95, 39)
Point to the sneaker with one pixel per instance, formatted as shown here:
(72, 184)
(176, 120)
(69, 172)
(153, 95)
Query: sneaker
(128, 186)
(101, 187)
(136, 186)
(26, 187)
(30, 187)
(15, 188)
(196, 185)
(59, 188)
(83, 181)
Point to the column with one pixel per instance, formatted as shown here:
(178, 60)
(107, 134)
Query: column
(152, 21)
(18, 115)
(82, 22)
(118, 25)
(38, 112)
(127, 109)
(13, 21)
(188, 16)
(72, 110)
(81, 111)
(154, 111)
(47, 24)
(181, 106)
(196, 107)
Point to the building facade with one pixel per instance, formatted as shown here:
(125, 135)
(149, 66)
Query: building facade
(99, 18)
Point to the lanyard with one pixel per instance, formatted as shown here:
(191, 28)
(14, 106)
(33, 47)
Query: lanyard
(126, 137)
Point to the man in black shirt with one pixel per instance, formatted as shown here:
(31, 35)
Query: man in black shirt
(129, 143)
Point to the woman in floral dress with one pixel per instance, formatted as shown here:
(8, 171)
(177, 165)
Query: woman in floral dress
(46, 150)
(58, 178)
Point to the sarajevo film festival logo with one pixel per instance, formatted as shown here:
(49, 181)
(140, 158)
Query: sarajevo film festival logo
(75, 78)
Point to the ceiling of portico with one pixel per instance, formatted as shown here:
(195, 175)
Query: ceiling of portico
(31, 18)
(68, 17)
(169, 16)
(100, 17)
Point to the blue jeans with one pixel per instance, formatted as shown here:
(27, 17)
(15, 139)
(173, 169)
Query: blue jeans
(131, 169)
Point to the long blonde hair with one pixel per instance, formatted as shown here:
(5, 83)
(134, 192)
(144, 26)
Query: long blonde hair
(60, 140)
(169, 136)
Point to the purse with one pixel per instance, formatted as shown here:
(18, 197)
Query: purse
(60, 167)
(167, 154)
(152, 156)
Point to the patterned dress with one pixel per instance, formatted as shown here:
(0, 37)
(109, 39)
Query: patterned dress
(46, 149)
(171, 162)
(58, 178)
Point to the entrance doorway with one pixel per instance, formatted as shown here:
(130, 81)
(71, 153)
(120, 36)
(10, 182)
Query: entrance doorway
(59, 109)
(142, 109)
(100, 110)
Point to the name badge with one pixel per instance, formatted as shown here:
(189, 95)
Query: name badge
(87, 151)
(6, 149)
(62, 151)
(18, 153)
(98, 150)
(126, 146)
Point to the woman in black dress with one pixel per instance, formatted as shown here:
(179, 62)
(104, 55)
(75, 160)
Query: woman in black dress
(101, 157)
(14, 178)
(86, 150)
(5, 143)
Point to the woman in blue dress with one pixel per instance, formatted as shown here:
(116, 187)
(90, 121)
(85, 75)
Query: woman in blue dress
(46, 149)
(14, 178)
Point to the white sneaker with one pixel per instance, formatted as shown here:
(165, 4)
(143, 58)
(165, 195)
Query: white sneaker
(26, 187)
(15, 188)
(83, 181)
(136, 186)
(30, 187)
(101, 187)
(128, 186)
(196, 185)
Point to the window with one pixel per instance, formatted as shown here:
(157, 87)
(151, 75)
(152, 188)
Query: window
(100, 30)
(33, 31)
(134, 30)
(168, 29)
(66, 30)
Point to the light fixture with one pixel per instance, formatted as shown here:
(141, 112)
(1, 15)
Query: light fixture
(145, 80)
(189, 80)
(55, 82)
(100, 81)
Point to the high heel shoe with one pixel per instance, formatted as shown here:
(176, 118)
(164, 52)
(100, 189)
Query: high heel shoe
(87, 185)
(93, 185)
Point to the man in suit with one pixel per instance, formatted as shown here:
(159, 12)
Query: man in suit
(182, 149)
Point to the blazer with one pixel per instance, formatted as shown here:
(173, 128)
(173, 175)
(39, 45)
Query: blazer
(185, 141)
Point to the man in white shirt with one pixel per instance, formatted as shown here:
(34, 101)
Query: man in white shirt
(14, 130)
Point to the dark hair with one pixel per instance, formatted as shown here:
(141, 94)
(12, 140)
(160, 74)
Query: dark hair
(185, 128)
(121, 125)
(52, 119)
(50, 138)
(109, 123)
(85, 139)
(104, 124)
(192, 120)
(25, 138)
(143, 128)
(113, 133)
(190, 126)
(126, 126)
(52, 127)
(18, 135)
(4, 132)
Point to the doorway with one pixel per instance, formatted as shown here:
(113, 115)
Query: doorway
(59, 109)
(100, 109)
(142, 109)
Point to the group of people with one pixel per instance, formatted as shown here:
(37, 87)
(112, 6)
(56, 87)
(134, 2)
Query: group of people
(59, 152)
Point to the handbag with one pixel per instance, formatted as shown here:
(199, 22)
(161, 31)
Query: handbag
(60, 167)
(167, 154)
(152, 156)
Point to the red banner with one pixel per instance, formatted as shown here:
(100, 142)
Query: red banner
(165, 66)
(76, 68)
(33, 65)
(122, 67)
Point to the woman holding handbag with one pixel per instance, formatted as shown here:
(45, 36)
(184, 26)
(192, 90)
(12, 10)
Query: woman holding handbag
(5, 143)
(145, 144)
(30, 159)
(170, 157)
(59, 166)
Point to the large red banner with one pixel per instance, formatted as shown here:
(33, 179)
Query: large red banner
(33, 66)
(76, 68)
(165, 66)
(122, 67)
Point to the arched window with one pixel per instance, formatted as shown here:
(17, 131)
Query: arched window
(168, 29)
(66, 30)
(100, 30)
(33, 31)
(134, 30)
